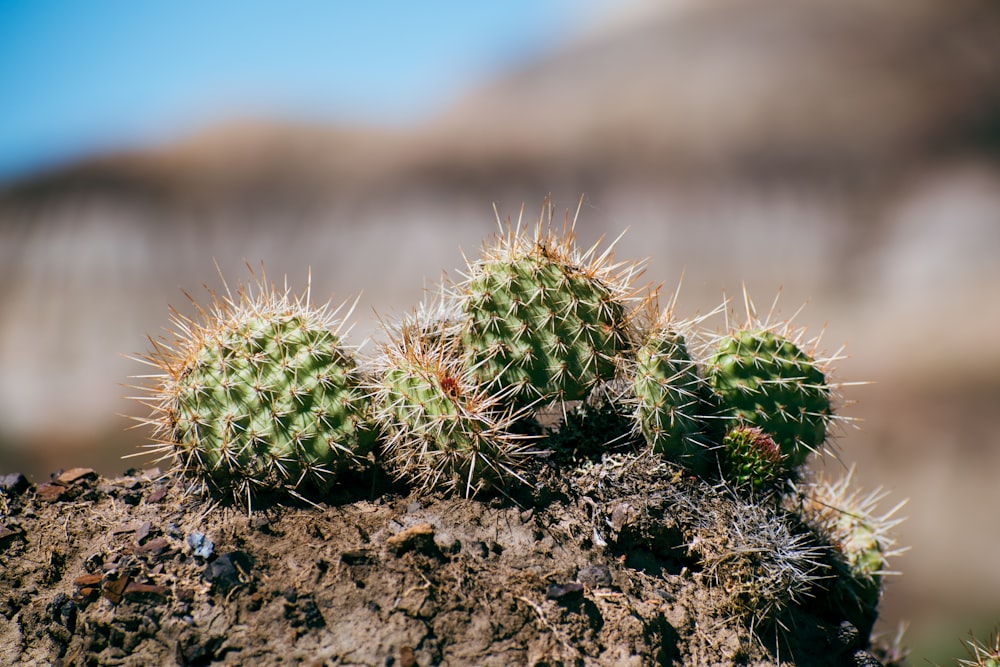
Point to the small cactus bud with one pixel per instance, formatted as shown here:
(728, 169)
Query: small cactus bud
(752, 458)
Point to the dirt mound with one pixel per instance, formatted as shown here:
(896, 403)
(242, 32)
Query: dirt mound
(622, 561)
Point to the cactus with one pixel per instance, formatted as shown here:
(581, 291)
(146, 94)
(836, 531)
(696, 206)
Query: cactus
(751, 458)
(760, 376)
(442, 430)
(983, 654)
(258, 396)
(860, 539)
(545, 321)
(669, 394)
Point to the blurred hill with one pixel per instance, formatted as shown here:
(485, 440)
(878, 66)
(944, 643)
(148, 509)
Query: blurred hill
(846, 151)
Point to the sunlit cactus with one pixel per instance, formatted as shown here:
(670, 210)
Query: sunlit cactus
(546, 321)
(762, 374)
(442, 429)
(258, 395)
(670, 395)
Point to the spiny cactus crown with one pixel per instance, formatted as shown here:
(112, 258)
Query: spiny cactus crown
(543, 318)
(259, 396)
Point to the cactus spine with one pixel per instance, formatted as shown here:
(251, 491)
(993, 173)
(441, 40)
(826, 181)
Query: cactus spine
(259, 395)
(544, 320)
(983, 654)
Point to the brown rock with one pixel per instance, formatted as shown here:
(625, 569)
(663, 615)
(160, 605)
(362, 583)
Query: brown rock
(50, 492)
(114, 589)
(154, 547)
(87, 580)
(135, 589)
(74, 475)
(419, 537)
(142, 532)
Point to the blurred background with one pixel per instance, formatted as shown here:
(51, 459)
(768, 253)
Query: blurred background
(844, 152)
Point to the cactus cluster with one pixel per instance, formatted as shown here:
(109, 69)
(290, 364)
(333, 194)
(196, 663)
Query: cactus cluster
(261, 395)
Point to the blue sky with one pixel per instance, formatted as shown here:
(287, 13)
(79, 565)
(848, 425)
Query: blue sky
(80, 76)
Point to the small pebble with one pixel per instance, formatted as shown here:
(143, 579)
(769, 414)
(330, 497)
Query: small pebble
(414, 538)
(157, 495)
(14, 483)
(50, 492)
(154, 547)
(142, 531)
(200, 545)
(74, 475)
(564, 591)
(225, 572)
(595, 575)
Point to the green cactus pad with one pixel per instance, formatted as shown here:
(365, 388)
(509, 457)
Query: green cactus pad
(260, 397)
(765, 380)
(545, 322)
(669, 394)
(441, 429)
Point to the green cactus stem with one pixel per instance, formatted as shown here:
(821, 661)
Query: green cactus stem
(761, 376)
(670, 395)
(259, 395)
(441, 429)
(545, 321)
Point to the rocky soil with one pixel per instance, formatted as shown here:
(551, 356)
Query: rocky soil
(618, 560)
